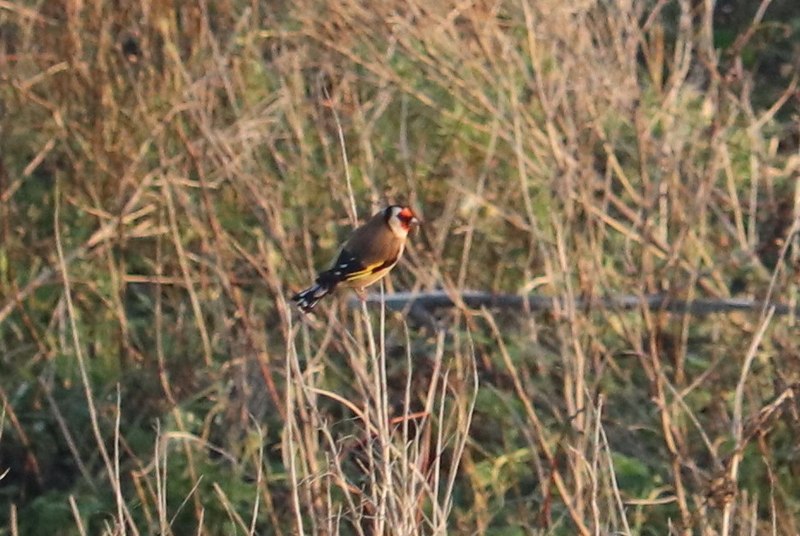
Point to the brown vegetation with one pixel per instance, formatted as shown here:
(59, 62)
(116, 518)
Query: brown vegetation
(170, 172)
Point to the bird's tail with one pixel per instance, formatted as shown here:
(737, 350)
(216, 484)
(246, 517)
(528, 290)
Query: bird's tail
(307, 299)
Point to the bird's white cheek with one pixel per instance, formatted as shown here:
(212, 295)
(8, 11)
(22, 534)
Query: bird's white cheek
(397, 228)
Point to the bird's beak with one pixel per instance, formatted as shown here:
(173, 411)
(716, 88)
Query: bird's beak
(414, 221)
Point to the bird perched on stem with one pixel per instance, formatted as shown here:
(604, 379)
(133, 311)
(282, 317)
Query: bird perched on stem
(371, 251)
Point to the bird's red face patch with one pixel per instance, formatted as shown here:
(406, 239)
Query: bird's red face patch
(400, 219)
(407, 218)
(406, 214)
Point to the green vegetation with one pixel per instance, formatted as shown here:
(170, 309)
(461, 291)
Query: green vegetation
(171, 172)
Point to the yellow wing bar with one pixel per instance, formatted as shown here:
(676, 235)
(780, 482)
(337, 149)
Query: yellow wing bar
(369, 270)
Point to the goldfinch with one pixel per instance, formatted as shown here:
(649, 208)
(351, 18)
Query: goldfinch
(371, 251)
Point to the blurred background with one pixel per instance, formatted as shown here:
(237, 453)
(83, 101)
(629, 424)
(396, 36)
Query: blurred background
(170, 172)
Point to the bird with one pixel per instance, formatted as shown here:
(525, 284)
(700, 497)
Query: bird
(369, 254)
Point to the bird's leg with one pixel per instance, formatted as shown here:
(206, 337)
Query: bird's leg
(361, 293)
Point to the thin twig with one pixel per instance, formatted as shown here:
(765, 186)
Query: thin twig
(87, 388)
(345, 161)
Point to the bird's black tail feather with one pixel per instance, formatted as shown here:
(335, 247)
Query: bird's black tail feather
(307, 299)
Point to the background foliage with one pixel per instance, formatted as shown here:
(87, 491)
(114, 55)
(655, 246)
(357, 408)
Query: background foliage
(170, 172)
